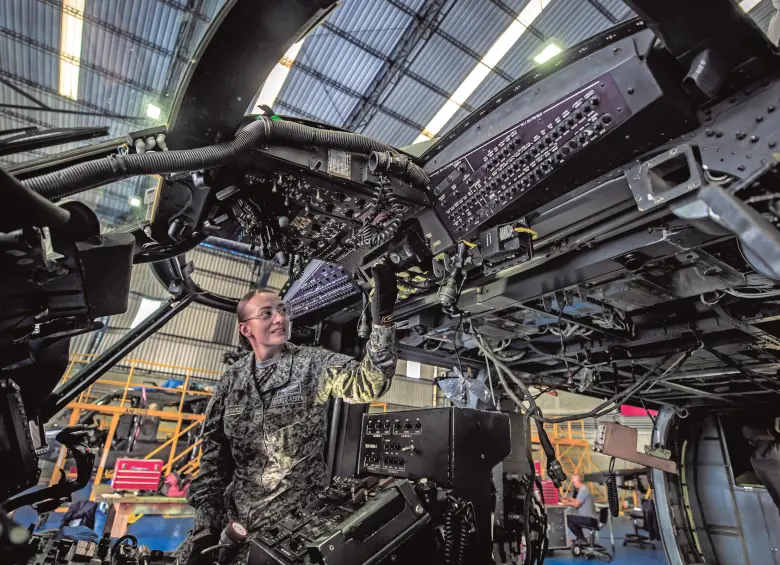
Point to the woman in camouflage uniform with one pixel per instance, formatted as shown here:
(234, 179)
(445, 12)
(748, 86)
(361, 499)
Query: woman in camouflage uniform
(266, 426)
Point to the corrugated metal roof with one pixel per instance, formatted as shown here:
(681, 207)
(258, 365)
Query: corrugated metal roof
(443, 64)
(391, 130)
(129, 49)
(327, 104)
(618, 8)
(763, 13)
(568, 23)
(127, 53)
(376, 22)
(414, 101)
(476, 23)
(339, 60)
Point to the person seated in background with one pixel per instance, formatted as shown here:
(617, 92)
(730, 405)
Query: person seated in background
(583, 510)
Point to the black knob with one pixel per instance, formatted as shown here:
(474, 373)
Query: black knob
(565, 150)
(595, 100)
(573, 144)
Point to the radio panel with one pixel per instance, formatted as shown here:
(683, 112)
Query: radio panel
(322, 285)
(482, 183)
(418, 444)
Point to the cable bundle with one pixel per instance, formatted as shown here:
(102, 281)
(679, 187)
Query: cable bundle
(371, 235)
(612, 490)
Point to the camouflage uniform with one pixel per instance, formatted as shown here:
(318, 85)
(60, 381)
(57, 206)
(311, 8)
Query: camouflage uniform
(266, 428)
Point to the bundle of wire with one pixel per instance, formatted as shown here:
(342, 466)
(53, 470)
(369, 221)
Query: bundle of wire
(602, 409)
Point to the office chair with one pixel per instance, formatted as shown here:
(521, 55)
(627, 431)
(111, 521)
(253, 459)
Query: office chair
(592, 549)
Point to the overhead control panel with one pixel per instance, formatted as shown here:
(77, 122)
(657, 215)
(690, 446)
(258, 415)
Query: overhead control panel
(320, 203)
(555, 129)
(322, 286)
(474, 188)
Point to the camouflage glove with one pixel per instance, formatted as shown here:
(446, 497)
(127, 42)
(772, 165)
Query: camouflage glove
(200, 541)
(384, 295)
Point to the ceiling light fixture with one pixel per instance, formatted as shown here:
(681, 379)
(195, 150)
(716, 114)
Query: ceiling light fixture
(496, 52)
(70, 47)
(547, 53)
(135, 202)
(153, 111)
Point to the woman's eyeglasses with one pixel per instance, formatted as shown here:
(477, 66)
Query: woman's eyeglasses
(267, 314)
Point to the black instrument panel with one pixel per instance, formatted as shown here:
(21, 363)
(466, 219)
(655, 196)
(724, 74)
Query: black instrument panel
(472, 189)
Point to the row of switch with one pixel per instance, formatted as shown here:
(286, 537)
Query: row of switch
(375, 427)
(394, 461)
(465, 215)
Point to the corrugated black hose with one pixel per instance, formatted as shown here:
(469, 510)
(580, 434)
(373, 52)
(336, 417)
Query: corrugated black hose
(81, 177)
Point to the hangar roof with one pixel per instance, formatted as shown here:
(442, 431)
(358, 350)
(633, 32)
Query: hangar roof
(380, 67)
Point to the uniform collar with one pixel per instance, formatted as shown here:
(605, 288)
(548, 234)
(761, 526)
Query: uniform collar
(280, 377)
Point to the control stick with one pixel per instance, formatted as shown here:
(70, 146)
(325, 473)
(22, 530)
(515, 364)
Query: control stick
(231, 540)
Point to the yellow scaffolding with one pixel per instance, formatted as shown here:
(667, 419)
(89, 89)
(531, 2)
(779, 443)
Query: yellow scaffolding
(184, 422)
(573, 451)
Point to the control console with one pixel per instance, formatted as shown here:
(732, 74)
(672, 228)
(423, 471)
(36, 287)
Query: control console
(353, 521)
(440, 444)
(472, 189)
(322, 287)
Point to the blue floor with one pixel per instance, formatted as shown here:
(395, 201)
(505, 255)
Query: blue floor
(623, 555)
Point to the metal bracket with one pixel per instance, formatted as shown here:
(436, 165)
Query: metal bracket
(658, 452)
(648, 186)
(759, 239)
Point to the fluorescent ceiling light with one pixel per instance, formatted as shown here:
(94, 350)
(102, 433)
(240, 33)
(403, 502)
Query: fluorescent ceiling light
(500, 47)
(413, 369)
(273, 84)
(547, 53)
(748, 5)
(153, 111)
(70, 47)
(135, 202)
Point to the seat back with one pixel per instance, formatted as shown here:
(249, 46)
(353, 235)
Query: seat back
(603, 516)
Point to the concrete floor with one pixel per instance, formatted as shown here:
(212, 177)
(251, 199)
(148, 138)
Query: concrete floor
(630, 555)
